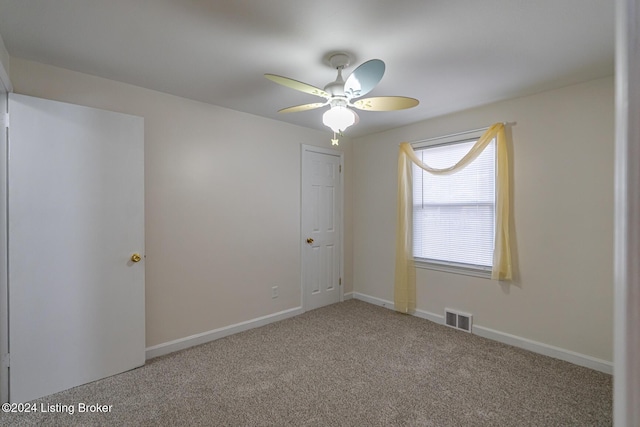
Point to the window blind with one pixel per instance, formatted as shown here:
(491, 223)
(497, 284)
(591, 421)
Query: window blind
(454, 215)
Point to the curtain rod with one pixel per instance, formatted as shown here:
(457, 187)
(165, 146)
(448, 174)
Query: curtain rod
(456, 134)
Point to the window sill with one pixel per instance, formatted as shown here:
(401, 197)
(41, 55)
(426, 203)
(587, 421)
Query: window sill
(484, 273)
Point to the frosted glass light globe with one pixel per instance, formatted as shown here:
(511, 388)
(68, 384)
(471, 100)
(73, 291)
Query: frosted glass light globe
(338, 118)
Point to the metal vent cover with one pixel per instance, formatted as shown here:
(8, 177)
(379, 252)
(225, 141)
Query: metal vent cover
(458, 320)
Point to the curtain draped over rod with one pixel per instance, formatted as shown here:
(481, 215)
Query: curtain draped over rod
(405, 275)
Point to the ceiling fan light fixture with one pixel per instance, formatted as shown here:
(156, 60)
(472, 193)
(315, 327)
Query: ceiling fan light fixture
(341, 94)
(338, 118)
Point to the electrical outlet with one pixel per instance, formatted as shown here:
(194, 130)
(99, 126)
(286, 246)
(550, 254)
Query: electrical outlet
(274, 292)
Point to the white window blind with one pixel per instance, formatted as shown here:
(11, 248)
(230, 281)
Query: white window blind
(454, 215)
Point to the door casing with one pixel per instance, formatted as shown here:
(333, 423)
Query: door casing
(305, 168)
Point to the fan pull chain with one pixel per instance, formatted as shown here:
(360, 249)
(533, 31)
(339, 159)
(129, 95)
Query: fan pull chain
(334, 140)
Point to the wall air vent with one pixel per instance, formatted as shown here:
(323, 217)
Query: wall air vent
(458, 320)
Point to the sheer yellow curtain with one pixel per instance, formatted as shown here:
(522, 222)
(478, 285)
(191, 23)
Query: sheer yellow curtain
(405, 281)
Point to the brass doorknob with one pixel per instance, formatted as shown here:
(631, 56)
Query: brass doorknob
(136, 257)
(309, 240)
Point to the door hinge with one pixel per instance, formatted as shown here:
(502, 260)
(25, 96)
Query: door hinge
(340, 281)
(6, 359)
(340, 169)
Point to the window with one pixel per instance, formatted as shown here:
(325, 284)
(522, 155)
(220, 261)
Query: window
(454, 215)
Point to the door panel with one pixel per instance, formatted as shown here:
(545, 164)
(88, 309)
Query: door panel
(76, 215)
(321, 218)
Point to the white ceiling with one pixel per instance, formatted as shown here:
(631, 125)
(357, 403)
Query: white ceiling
(449, 54)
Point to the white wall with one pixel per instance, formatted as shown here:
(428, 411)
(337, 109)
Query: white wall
(211, 264)
(562, 165)
(222, 202)
(5, 83)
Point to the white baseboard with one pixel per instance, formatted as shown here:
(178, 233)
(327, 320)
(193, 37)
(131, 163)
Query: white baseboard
(373, 300)
(205, 337)
(391, 306)
(516, 341)
(347, 296)
(546, 349)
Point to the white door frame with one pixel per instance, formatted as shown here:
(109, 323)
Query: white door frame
(303, 243)
(626, 368)
(5, 89)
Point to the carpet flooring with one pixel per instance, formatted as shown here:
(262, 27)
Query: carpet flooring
(348, 364)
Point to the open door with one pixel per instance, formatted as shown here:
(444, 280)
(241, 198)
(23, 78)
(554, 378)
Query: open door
(76, 218)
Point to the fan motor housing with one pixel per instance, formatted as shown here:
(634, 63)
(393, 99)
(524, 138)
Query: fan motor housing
(335, 88)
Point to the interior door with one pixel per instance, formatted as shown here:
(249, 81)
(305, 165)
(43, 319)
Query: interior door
(76, 216)
(321, 227)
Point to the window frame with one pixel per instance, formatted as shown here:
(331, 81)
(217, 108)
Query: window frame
(480, 271)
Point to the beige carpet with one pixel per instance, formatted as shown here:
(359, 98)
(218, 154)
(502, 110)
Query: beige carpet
(349, 364)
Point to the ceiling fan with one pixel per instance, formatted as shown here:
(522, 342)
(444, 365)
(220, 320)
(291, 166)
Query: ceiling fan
(341, 96)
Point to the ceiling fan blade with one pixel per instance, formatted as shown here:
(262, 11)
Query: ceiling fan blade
(294, 84)
(364, 78)
(385, 103)
(303, 107)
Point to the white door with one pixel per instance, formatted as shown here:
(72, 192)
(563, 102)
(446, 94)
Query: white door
(321, 227)
(76, 216)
